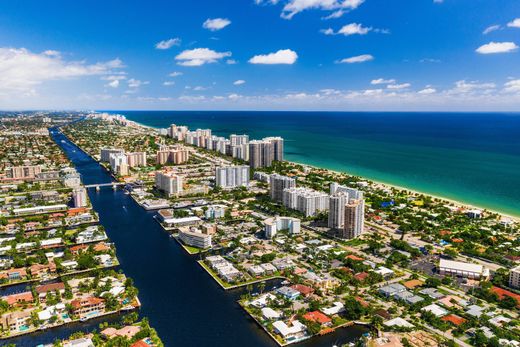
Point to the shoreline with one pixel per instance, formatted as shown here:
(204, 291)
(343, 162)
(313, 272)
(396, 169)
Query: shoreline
(459, 203)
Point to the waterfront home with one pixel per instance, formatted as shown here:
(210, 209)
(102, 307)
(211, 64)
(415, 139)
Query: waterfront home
(13, 274)
(18, 298)
(337, 308)
(128, 331)
(82, 342)
(294, 332)
(304, 290)
(87, 306)
(269, 313)
(91, 234)
(44, 289)
(262, 300)
(318, 317)
(288, 292)
(15, 321)
(398, 322)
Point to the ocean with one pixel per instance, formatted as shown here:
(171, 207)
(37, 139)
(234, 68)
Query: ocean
(469, 157)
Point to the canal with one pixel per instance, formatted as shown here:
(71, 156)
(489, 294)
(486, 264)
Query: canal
(179, 298)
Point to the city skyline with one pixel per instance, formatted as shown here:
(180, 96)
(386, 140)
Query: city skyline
(356, 55)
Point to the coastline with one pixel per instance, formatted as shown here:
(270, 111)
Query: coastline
(458, 203)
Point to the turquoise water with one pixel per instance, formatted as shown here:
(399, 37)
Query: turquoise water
(470, 157)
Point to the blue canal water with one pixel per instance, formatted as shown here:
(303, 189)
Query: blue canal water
(179, 298)
(470, 157)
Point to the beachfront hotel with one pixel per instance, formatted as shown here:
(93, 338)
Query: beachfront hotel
(232, 176)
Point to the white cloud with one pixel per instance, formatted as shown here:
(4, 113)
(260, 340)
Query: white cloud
(354, 29)
(199, 88)
(491, 28)
(216, 24)
(231, 62)
(430, 60)
(497, 47)
(328, 31)
(113, 84)
(239, 82)
(515, 23)
(398, 86)
(283, 56)
(357, 59)
(21, 70)
(133, 83)
(200, 56)
(438, 1)
(512, 86)
(166, 44)
(382, 81)
(463, 87)
(296, 6)
(168, 83)
(335, 15)
(427, 91)
(175, 74)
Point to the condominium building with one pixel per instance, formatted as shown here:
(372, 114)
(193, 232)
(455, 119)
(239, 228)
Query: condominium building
(240, 151)
(106, 152)
(307, 201)
(277, 184)
(23, 172)
(118, 163)
(232, 176)
(336, 188)
(337, 211)
(195, 238)
(261, 153)
(514, 277)
(277, 143)
(354, 222)
(273, 225)
(177, 132)
(175, 154)
(170, 183)
(237, 140)
(135, 159)
(79, 197)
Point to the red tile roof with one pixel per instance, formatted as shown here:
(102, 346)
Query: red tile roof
(361, 276)
(317, 316)
(503, 293)
(304, 290)
(354, 257)
(454, 319)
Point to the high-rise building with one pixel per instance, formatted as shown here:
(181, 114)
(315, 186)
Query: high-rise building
(277, 183)
(337, 211)
(237, 140)
(118, 163)
(261, 154)
(136, 159)
(175, 154)
(240, 151)
(177, 132)
(232, 176)
(106, 152)
(514, 277)
(277, 143)
(273, 225)
(23, 172)
(79, 197)
(336, 188)
(170, 183)
(354, 219)
(307, 201)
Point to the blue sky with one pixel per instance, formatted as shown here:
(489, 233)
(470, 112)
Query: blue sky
(261, 54)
